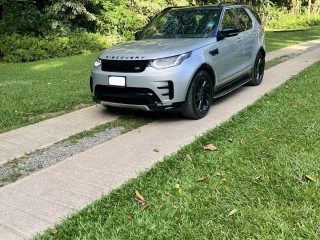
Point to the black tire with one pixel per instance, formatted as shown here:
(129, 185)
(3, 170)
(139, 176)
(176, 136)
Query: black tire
(258, 70)
(199, 96)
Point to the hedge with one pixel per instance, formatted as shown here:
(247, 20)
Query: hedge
(23, 48)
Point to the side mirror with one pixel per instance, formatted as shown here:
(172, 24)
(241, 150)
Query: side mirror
(137, 35)
(228, 32)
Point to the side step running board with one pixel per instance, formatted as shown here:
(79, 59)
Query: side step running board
(231, 87)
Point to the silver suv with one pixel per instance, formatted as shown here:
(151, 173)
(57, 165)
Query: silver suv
(183, 59)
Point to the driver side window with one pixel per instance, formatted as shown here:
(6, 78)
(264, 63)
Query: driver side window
(229, 19)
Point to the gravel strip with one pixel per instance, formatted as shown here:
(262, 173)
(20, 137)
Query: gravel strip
(40, 159)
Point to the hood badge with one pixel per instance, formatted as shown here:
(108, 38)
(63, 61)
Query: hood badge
(125, 57)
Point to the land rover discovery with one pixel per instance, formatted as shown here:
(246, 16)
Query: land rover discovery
(183, 59)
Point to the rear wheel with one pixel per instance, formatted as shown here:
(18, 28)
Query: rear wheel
(258, 70)
(199, 96)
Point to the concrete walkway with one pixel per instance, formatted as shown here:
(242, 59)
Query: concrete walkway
(16, 143)
(301, 47)
(19, 142)
(39, 201)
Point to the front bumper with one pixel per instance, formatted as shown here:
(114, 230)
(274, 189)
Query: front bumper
(151, 89)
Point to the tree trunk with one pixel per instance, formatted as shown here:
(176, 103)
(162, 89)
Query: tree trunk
(309, 10)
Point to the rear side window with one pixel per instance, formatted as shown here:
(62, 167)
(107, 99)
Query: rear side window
(255, 14)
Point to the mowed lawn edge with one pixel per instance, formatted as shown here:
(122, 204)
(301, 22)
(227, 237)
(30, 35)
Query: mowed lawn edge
(36, 91)
(262, 181)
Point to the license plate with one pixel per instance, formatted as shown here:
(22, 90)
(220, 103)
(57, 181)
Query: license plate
(117, 81)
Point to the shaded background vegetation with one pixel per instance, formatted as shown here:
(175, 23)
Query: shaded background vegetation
(32, 30)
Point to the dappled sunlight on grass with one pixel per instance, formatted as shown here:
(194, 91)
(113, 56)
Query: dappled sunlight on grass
(43, 88)
(46, 66)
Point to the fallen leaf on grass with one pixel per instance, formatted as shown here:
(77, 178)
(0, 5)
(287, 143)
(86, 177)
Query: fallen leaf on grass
(189, 156)
(11, 161)
(271, 139)
(311, 178)
(54, 231)
(144, 207)
(156, 150)
(300, 181)
(178, 188)
(232, 212)
(257, 177)
(25, 156)
(129, 217)
(230, 140)
(210, 147)
(218, 174)
(216, 190)
(224, 233)
(140, 199)
(139, 196)
(201, 179)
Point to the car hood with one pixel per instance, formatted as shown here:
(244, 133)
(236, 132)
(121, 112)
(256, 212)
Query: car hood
(154, 48)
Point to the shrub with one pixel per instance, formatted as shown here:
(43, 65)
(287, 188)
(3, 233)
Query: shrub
(22, 48)
(282, 19)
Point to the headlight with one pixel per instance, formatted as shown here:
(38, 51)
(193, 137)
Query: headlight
(168, 62)
(97, 63)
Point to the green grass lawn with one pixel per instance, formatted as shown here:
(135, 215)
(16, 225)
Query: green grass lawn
(266, 166)
(277, 40)
(31, 92)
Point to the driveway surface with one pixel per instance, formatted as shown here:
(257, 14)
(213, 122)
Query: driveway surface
(43, 199)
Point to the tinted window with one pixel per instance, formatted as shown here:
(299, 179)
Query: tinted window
(229, 19)
(245, 21)
(183, 23)
(256, 15)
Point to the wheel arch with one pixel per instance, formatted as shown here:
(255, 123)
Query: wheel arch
(262, 51)
(212, 74)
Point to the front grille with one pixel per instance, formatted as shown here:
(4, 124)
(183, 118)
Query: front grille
(138, 96)
(130, 66)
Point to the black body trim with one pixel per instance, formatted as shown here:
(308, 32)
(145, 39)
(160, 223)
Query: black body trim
(232, 85)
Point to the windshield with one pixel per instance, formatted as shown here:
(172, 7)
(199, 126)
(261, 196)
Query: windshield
(183, 23)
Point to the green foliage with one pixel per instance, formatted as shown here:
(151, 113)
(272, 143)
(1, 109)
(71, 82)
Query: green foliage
(125, 17)
(282, 19)
(56, 23)
(23, 48)
(74, 14)
(24, 18)
(120, 21)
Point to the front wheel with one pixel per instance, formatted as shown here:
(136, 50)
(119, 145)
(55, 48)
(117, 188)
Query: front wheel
(258, 70)
(199, 96)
